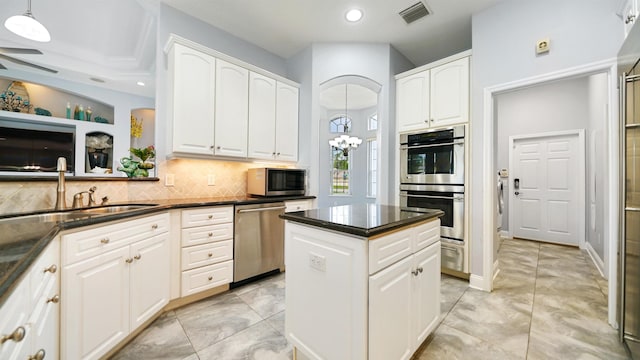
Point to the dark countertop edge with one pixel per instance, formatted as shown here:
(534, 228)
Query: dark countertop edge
(54, 178)
(299, 218)
(8, 283)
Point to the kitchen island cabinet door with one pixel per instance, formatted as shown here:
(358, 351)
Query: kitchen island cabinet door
(232, 109)
(426, 293)
(262, 117)
(193, 105)
(149, 278)
(95, 310)
(390, 313)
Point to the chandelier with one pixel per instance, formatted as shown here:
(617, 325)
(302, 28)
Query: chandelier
(345, 143)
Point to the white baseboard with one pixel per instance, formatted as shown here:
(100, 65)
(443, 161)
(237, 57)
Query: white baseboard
(477, 282)
(595, 258)
(496, 269)
(506, 234)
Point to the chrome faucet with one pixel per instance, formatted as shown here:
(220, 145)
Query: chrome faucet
(61, 203)
(78, 198)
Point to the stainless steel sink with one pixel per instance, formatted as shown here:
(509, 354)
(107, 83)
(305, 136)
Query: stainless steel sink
(76, 213)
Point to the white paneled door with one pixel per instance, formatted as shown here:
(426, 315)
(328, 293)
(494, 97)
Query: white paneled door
(547, 187)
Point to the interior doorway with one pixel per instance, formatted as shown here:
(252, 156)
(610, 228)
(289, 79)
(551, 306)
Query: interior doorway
(547, 190)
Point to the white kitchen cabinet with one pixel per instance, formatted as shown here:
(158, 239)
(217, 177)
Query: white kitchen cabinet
(192, 100)
(231, 109)
(298, 205)
(433, 97)
(262, 117)
(412, 102)
(33, 309)
(383, 292)
(111, 289)
(207, 248)
(287, 98)
(273, 119)
(450, 93)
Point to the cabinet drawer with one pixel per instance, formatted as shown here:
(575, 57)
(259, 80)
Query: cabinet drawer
(13, 314)
(44, 270)
(389, 249)
(206, 234)
(207, 216)
(207, 254)
(207, 277)
(85, 244)
(426, 234)
(297, 205)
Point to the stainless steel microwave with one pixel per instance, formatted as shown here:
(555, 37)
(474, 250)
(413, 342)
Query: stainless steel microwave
(276, 181)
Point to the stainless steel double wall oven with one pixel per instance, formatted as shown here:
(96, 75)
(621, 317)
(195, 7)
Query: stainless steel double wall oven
(432, 176)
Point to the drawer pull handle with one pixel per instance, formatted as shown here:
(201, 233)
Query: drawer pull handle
(38, 356)
(137, 257)
(210, 234)
(210, 217)
(154, 226)
(210, 278)
(129, 260)
(210, 254)
(105, 241)
(52, 269)
(55, 299)
(415, 272)
(420, 269)
(17, 335)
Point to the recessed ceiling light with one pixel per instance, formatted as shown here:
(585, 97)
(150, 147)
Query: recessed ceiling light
(353, 15)
(140, 83)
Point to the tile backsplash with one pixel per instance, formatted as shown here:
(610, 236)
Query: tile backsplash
(190, 181)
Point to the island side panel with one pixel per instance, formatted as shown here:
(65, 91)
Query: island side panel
(326, 292)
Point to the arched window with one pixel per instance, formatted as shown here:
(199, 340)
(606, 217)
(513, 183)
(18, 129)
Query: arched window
(340, 124)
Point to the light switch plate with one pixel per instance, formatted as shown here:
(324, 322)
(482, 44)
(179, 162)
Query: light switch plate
(211, 180)
(169, 180)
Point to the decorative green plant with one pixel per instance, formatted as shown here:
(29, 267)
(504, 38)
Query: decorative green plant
(144, 153)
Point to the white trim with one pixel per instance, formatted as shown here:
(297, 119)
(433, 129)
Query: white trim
(496, 269)
(477, 282)
(581, 180)
(488, 227)
(506, 234)
(173, 38)
(595, 258)
(431, 65)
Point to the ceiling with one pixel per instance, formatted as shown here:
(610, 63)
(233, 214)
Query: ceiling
(114, 40)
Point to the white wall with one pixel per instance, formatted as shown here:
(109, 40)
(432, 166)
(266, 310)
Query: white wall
(504, 37)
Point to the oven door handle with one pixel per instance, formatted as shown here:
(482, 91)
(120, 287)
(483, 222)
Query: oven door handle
(455, 198)
(457, 142)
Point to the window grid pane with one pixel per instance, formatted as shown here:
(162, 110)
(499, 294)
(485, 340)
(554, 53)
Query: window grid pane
(372, 167)
(373, 122)
(340, 125)
(340, 179)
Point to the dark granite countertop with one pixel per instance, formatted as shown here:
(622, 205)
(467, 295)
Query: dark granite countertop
(24, 236)
(364, 220)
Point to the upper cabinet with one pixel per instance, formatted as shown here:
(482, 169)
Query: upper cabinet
(232, 98)
(433, 97)
(628, 11)
(193, 94)
(223, 107)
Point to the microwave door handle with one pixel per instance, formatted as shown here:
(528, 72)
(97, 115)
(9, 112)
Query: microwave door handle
(405, 147)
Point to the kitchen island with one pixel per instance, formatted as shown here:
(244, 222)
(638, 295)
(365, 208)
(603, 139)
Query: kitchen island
(362, 281)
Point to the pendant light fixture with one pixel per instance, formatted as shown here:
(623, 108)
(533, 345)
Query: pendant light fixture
(27, 26)
(345, 143)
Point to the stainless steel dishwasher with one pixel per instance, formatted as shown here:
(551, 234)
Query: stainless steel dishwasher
(258, 240)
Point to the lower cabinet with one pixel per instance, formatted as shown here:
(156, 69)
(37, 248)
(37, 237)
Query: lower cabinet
(401, 298)
(29, 318)
(114, 291)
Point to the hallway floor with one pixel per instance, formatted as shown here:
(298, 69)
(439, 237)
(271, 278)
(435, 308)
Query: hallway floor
(548, 302)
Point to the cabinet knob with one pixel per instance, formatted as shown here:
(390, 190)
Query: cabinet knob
(212, 147)
(55, 299)
(137, 257)
(129, 260)
(277, 154)
(415, 272)
(629, 19)
(210, 234)
(217, 147)
(426, 121)
(52, 269)
(154, 226)
(17, 335)
(38, 356)
(210, 217)
(105, 241)
(420, 269)
(210, 254)
(210, 278)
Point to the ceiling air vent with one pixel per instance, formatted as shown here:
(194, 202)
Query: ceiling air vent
(414, 12)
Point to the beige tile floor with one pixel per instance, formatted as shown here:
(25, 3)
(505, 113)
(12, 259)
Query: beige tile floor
(549, 302)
